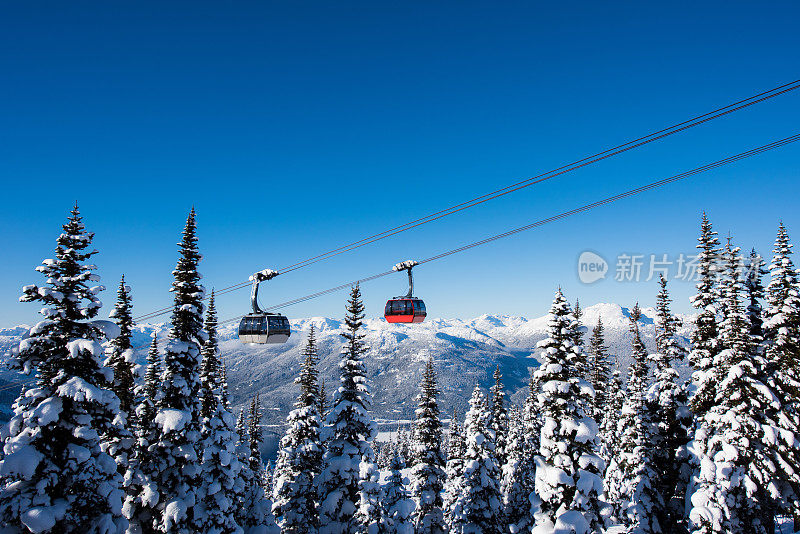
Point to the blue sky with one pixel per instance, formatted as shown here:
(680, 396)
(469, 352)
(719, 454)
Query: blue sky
(293, 127)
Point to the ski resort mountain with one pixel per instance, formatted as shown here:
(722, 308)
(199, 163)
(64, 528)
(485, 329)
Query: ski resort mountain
(465, 352)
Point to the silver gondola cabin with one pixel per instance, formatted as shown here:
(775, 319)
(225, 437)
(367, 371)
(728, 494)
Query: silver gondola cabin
(263, 327)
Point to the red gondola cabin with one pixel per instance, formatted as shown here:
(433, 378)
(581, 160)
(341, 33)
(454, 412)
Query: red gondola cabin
(405, 310)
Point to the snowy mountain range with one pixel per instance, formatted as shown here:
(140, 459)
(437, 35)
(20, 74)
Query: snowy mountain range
(465, 353)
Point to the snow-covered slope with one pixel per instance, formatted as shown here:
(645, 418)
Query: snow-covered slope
(465, 352)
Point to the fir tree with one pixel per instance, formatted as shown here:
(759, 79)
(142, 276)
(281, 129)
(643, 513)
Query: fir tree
(323, 399)
(454, 471)
(599, 369)
(121, 358)
(631, 476)
(615, 398)
(255, 506)
(518, 482)
(736, 463)
(369, 517)
(177, 419)
(755, 294)
(348, 432)
(300, 455)
(568, 481)
(141, 476)
(427, 475)
(499, 418)
(398, 508)
(703, 355)
(56, 473)
(220, 464)
(668, 414)
(478, 508)
(782, 333)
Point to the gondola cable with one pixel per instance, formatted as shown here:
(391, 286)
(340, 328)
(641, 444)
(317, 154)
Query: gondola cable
(554, 218)
(660, 134)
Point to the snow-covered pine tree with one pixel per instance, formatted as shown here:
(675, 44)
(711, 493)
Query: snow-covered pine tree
(268, 479)
(599, 369)
(120, 360)
(427, 474)
(736, 474)
(499, 418)
(177, 419)
(220, 464)
(703, 354)
(55, 473)
(140, 478)
(121, 357)
(398, 508)
(518, 481)
(532, 414)
(568, 471)
(615, 398)
(479, 507)
(782, 333)
(369, 517)
(348, 432)
(755, 294)
(454, 469)
(323, 400)
(631, 476)
(255, 508)
(300, 454)
(669, 416)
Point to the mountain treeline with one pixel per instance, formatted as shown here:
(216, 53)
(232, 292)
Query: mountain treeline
(98, 443)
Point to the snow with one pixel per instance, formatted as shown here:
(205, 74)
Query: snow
(405, 265)
(171, 420)
(39, 519)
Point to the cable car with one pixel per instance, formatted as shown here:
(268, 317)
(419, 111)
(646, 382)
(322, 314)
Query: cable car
(406, 309)
(259, 326)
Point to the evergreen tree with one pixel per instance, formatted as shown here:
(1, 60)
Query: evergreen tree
(669, 416)
(323, 399)
(631, 476)
(268, 478)
(121, 357)
(736, 463)
(705, 349)
(177, 419)
(56, 473)
(398, 508)
(782, 332)
(255, 507)
(499, 418)
(568, 481)
(479, 507)
(348, 432)
(454, 471)
(140, 479)
(427, 475)
(220, 464)
(369, 517)
(615, 398)
(599, 369)
(300, 455)
(518, 481)
(755, 294)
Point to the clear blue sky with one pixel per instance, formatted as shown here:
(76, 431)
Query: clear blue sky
(295, 126)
